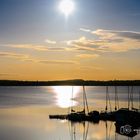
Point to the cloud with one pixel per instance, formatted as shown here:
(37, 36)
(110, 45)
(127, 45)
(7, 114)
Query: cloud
(13, 55)
(106, 34)
(8, 74)
(17, 56)
(56, 49)
(88, 55)
(34, 47)
(84, 44)
(50, 41)
(106, 41)
(27, 58)
(85, 30)
(29, 46)
(58, 62)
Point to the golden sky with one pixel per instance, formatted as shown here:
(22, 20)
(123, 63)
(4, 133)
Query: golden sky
(37, 41)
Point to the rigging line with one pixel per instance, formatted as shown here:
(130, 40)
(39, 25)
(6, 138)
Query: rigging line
(83, 99)
(128, 97)
(106, 99)
(86, 102)
(115, 98)
(139, 99)
(132, 97)
(72, 100)
(109, 100)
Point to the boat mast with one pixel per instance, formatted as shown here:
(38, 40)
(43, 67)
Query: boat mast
(107, 100)
(72, 101)
(131, 97)
(116, 99)
(139, 100)
(106, 108)
(85, 100)
(128, 97)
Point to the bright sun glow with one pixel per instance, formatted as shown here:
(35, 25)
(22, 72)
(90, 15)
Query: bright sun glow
(64, 95)
(66, 7)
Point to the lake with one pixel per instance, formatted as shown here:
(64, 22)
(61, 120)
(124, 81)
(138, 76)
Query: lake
(24, 112)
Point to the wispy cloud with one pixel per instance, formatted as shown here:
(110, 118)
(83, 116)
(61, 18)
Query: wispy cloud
(83, 44)
(34, 47)
(88, 55)
(8, 74)
(27, 58)
(107, 40)
(85, 30)
(50, 41)
(106, 34)
(13, 55)
(29, 46)
(58, 62)
(18, 56)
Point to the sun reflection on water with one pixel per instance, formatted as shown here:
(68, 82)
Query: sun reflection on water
(65, 95)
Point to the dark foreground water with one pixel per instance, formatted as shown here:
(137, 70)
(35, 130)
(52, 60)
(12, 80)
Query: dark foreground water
(24, 113)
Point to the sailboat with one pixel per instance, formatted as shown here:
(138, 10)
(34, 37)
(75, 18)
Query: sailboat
(128, 115)
(79, 116)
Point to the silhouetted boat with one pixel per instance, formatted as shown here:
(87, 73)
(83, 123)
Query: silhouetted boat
(126, 116)
(79, 115)
(120, 116)
(94, 116)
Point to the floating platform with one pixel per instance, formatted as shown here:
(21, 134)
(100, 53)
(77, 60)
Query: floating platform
(121, 116)
(93, 116)
(60, 117)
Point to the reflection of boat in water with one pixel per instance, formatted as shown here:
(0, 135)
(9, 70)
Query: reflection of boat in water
(126, 130)
(73, 130)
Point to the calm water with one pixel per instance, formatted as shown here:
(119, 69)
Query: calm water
(24, 113)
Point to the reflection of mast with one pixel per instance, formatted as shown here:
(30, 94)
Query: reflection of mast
(85, 133)
(72, 130)
(106, 126)
(108, 130)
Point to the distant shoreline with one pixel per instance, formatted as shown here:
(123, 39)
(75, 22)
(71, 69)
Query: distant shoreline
(71, 83)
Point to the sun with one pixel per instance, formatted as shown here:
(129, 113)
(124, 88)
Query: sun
(66, 7)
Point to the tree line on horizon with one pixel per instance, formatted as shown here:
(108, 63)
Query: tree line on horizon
(75, 82)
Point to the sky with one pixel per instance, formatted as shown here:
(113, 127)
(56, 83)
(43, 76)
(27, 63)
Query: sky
(99, 40)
